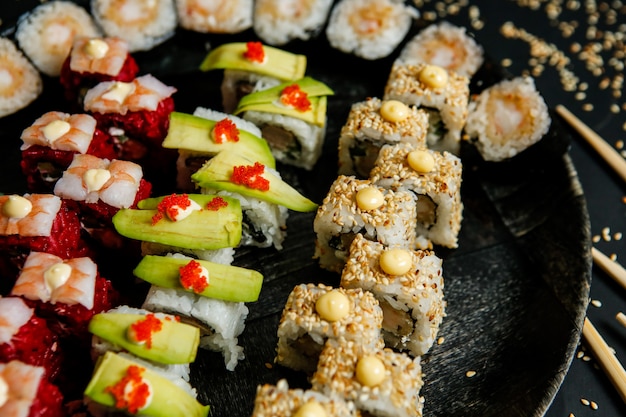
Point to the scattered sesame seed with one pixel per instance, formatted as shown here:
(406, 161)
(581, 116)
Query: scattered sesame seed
(619, 144)
(596, 238)
(613, 257)
(580, 354)
(571, 415)
(593, 405)
(584, 401)
(587, 107)
(440, 340)
(470, 374)
(586, 358)
(614, 108)
(617, 236)
(596, 303)
(506, 62)
(268, 365)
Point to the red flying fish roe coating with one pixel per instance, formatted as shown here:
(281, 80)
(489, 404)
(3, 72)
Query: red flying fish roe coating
(144, 328)
(216, 204)
(48, 401)
(254, 52)
(131, 392)
(293, 96)
(192, 278)
(225, 131)
(250, 176)
(170, 206)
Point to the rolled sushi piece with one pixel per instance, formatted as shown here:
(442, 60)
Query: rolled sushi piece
(373, 123)
(46, 33)
(281, 401)
(380, 382)
(215, 16)
(445, 45)
(316, 313)
(369, 29)
(21, 82)
(408, 285)
(292, 118)
(434, 178)
(354, 206)
(250, 66)
(123, 384)
(507, 118)
(27, 392)
(142, 24)
(443, 94)
(277, 22)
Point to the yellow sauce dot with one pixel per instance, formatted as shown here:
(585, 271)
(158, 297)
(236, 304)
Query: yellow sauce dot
(369, 198)
(55, 129)
(311, 409)
(96, 48)
(370, 371)
(118, 91)
(394, 111)
(421, 161)
(57, 275)
(434, 76)
(333, 306)
(396, 261)
(95, 178)
(17, 207)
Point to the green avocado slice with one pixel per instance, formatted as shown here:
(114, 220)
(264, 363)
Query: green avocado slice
(226, 282)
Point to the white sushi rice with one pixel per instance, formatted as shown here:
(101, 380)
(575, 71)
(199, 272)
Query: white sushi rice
(20, 82)
(46, 34)
(143, 24)
(234, 77)
(215, 16)
(223, 256)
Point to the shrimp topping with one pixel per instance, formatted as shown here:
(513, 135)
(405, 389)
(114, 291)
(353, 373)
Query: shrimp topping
(62, 131)
(194, 277)
(96, 178)
(36, 222)
(56, 276)
(4, 391)
(17, 207)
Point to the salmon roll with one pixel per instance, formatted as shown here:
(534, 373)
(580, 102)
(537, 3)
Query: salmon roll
(215, 16)
(369, 29)
(142, 24)
(373, 123)
(277, 22)
(507, 118)
(20, 82)
(46, 34)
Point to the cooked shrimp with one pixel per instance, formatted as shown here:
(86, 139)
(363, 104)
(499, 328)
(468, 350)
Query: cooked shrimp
(215, 16)
(98, 55)
(372, 17)
(22, 381)
(14, 313)
(77, 137)
(37, 222)
(132, 12)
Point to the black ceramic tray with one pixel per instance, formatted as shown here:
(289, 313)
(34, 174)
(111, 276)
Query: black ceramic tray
(516, 287)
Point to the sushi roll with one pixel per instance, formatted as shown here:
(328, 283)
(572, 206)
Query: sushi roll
(292, 118)
(281, 401)
(46, 34)
(93, 60)
(434, 178)
(215, 16)
(250, 66)
(21, 82)
(444, 45)
(358, 206)
(373, 123)
(443, 94)
(315, 313)
(277, 22)
(408, 285)
(507, 118)
(50, 143)
(380, 382)
(369, 29)
(142, 24)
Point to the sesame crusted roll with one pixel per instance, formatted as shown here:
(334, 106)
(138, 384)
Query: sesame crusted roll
(380, 382)
(408, 285)
(359, 206)
(315, 313)
(373, 123)
(435, 180)
(444, 94)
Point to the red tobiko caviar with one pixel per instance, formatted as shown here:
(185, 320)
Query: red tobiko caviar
(131, 392)
(170, 206)
(216, 204)
(193, 277)
(293, 96)
(254, 52)
(250, 176)
(225, 131)
(144, 329)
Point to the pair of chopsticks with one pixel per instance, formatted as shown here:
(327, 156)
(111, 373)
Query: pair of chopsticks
(600, 349)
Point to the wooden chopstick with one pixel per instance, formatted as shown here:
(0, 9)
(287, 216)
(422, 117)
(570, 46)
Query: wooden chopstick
(606, 151)
(612, 268)
(606, 358)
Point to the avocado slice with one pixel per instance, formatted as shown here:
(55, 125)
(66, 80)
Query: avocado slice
(167, 400)
(266, 101)
(279, 64)
(113, 328)
(203, 229)
(226, 282)
(193, 133)
(216, 173)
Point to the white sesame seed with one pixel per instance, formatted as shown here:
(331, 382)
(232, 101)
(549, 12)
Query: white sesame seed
(584, 401)
(470, 374)
(596, 303)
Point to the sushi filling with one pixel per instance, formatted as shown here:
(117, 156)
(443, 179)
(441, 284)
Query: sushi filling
(426, 210)
(397, 325)
(436, 128)
(242, 89)
(341, 243)
(282, 140)
(364, 155)
(249, 229)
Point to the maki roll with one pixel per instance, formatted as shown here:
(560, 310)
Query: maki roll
(373, 123)
(507, 118)
(279, 21)
(314, 314)
(434, 178)
(215, 16)
(443, 94)
(46, 34)
(408, 285)
(369, 29)
(21, 82)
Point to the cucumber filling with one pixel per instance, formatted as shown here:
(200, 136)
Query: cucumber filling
(248, 228)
